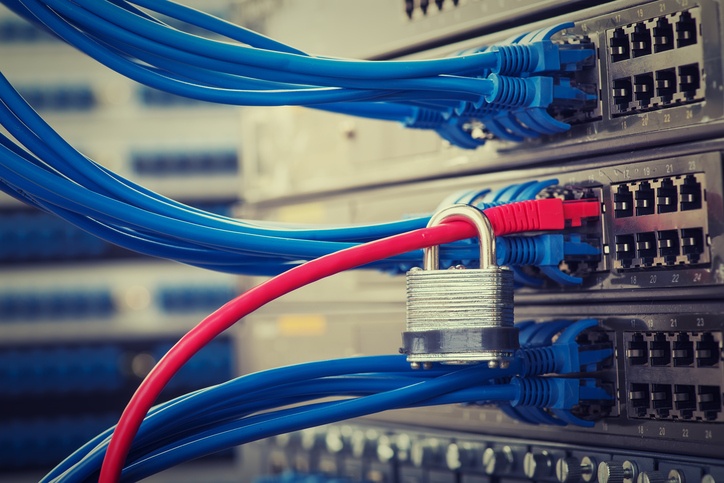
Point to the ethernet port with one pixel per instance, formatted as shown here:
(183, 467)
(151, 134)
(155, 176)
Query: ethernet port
(689, 80)
(622, 93)
(685, 400)
(623, 202)
(619, 45)
(645, 199)
(709, 399)
(640, 41)
(639, 398)
(683, 351)
(661, 399)
(625, 249)
(708, 351)
(663, 35)
(646, 247)
(644, 88)
(669, 245)
(636, 352)
(666, 84)
(667, 197)
(690, 194)
(686, 31)
(660, 351)
(692, 243)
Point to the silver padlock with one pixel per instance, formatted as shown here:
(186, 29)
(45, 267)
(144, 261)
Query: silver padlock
(460, 315)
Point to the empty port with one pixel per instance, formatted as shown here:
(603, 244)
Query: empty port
(666, 84)
(640, 40)
(686, 33)
(622, 92)
(690, 194)
(644, 88)
(663, 35)
(669, 245)
(692, 243)
(623, 202)
(661, 399)
(619, 45)
(667, 197)
(689, 80)
(636, 352)
(683, 353)
(660, 351)
(685, 400)
(646, 247)
(709, 399)
(639, 398)
(708, 351)
(625, 249)
(645, 199)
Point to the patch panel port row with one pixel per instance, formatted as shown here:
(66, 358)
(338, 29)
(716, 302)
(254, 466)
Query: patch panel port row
(654, 35)
(675, 349)
(685, 402)
(659, 195)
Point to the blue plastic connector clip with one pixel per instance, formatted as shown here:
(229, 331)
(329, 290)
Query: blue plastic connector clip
(565, 356)
(536, 53)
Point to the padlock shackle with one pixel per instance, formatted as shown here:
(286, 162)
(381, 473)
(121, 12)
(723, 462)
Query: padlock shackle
(469, 214)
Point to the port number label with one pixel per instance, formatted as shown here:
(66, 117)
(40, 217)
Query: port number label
(708, 434)
(689, 114)
(669, 168)
(640, 12)
(634, 280)
(662, 7)
(645, 120)
(647, 171)
(617, 18)
(697, 277)
(674, 323)
(652, 279)
(692, 164)
(624, 125)
(700, 321)
(662, 431)
(641, 429)
(667, 117)
(675, 278)
(684, 433)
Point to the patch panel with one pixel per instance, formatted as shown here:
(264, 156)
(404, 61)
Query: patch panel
(88, 383)
(656, 62)
(414, 453)
(56, 305)
(679, 234)
(189, 298)
(60, 98)
(162, 164)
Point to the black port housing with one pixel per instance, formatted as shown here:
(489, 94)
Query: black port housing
(666, 84)
(639, 398)
(644, 88)
(646, 247)
(640, 40)
(667, 197)
(663, 35)
(669, 245)
(692, 243)
(619, 46)
(625, 249)
(623, 202)
(708, 351)
(659, 351)
(622, 92)
(709, 399)
(686, 30)
(690, 194)
(645, 197)
(685, 399)
(689, 80)
(636, 351)
(661, 399)
(683, 351)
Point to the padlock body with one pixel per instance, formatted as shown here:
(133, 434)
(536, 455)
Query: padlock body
(460, 315)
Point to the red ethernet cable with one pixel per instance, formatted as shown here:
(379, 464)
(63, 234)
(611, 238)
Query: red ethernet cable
(536, 215)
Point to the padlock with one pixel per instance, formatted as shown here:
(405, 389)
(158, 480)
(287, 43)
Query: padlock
(460, 315)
